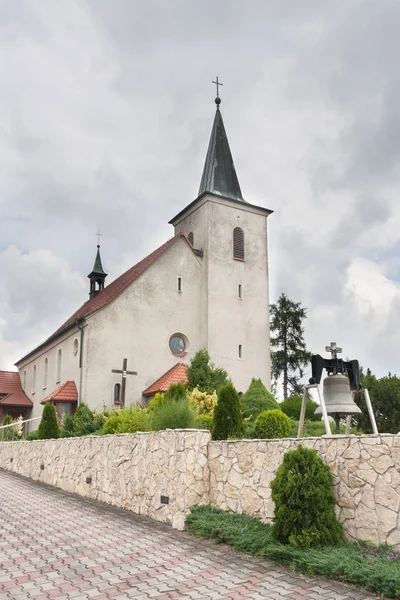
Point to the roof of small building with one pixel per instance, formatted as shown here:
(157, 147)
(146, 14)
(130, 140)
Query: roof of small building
(10, 385)
(110, 292)
(178, 374)
(67, 392)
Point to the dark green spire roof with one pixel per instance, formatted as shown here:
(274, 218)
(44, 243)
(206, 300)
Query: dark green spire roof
(219, 175)
(98, 267)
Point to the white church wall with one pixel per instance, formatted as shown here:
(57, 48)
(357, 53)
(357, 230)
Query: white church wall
(40, 388)
(227, 320)
(137, 325)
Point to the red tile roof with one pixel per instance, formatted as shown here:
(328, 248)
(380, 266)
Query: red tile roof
(10, 385)
(112, 290)
(67, 392)
(178, 374)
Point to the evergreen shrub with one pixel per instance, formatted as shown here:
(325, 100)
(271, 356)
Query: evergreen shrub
(257, 399)
(127, 420)
(228, 417)
(203, 422)
(292, 407)
(32, 435)
(48, 428)
(204, 375)
(176, 391)
(203, 402)
(155, 402)
(83, 422)
(272, 424)
(173, 414)
(304, 502)
(7, 434)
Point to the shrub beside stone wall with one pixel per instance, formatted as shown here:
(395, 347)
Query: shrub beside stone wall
(366, 474)
(133, 471)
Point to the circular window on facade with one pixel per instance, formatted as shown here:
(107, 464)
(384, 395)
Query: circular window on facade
(178, 344)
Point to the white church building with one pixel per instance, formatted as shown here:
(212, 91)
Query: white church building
(206, 287)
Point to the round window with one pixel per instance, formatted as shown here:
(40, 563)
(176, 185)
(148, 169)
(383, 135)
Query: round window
(177, 344)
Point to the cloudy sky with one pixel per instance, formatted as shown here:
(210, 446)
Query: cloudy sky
(106, 109)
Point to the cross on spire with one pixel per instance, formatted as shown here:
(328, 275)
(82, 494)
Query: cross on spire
(98, 237)
(217, 83)
(333, 349)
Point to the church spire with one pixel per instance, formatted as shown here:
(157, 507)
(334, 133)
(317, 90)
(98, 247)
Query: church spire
(219, 175)
(97, 276)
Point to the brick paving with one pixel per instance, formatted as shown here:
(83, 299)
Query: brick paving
(57, 545)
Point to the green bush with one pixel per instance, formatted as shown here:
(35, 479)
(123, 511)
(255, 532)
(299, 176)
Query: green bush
(228, 417)
(292, 407)
(155, 402)
(203, 422)
(174, 414)
(48, 428)
(176, 391)
(83, 422)
(32, 435)
(272, 424)
(7, 434)
(204, 375)
(257, 399)
(127, 420)
(304, 502)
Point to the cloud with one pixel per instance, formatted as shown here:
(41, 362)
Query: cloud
(106, 111)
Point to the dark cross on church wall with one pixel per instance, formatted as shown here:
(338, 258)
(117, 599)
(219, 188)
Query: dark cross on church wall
(124, 372)
(333, 349)
(217, 83)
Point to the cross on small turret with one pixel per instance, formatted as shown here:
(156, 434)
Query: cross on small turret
(217, 83)
(333, 349)
(98, 237)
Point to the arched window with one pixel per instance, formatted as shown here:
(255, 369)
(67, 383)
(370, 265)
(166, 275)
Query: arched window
(46, 370)
(190, 237)
(238, 244)
(34, 379)
(58, 366)
(75, 346)
(117, 393)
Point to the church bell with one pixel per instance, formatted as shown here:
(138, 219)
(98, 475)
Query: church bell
(338, 398)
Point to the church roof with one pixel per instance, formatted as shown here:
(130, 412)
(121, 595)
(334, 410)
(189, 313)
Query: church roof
(110, 292)
(177, 374)
(10, 386)
(67, 392)
(219, 175)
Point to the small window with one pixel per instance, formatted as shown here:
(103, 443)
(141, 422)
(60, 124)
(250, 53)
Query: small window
(179, 285)
(240, 291)
(46, 370)
(238, 244)
(178, 344)
(75, 347)
(191, 238)
(24, 382)
(58, 379)
(240, 351)
(117, 393)
(34, 379)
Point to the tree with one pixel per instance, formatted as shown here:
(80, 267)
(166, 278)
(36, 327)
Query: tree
(257, 399)
(385, 399)
(228, 417)
(48, 428)
(292, 407)
(204, 375)
(289, 354)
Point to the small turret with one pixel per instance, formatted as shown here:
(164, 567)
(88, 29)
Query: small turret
(97, 276)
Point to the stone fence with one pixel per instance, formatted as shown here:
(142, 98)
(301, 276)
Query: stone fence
(163, 474)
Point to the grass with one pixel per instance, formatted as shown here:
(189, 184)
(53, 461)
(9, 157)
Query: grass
(374, 569)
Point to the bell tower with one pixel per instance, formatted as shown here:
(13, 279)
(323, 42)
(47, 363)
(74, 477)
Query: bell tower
(230, 236)
(97, 276)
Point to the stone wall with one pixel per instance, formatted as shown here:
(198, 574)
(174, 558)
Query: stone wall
(134, 471)
(129, 471)
(366, 473)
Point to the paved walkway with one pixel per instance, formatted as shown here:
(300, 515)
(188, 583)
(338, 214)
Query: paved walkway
(57, 545)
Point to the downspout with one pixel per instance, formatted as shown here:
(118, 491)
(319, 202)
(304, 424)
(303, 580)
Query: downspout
(81, 325)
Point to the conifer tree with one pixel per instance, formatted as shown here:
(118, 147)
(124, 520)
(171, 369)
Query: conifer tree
(48, 428)
(204, 375)
(289, 354)
(228, 417)
(257, 399)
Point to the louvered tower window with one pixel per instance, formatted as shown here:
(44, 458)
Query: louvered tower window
(190, 237)
(238, 244)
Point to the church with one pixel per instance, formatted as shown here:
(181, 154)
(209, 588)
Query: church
(206, 287)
